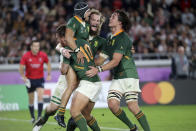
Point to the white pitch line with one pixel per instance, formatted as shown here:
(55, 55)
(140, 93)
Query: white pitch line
(54, 123)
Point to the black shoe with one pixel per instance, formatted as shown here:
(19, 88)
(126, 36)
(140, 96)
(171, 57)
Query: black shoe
(32, 120)
(71, 125)
(60, 120)
(38, 124)
(135, 129)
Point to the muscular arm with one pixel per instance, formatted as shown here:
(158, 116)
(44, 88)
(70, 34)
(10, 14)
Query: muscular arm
(111, 64)
(69, 38)
(114, 62)
(49, 71)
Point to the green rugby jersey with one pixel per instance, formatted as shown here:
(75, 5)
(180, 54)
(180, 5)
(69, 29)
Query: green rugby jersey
(79, 27)
(79, 68)
(121, 43)
(97, 43)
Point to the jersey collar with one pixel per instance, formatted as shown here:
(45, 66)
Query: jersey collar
(80, 20)
(90, 37)
(121, 30)
(33, 54)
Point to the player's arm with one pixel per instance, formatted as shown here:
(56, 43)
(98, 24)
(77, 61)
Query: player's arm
(63, 51)
(69, 38)
(111, 64)
(21, 71)
(49, 71)
(101, 59)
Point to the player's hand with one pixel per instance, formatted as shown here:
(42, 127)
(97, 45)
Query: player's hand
(92, 72)
(66, 52)
(49, 77)
(80, 57)
(27, 82)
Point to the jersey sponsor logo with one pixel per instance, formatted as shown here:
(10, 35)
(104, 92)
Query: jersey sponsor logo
(35, 65)
(111, 42)
(40, 59)
(96, 43)
(30, 59)
(74, 26)
(121, 47)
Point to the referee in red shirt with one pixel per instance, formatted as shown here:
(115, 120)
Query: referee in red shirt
(33, 64)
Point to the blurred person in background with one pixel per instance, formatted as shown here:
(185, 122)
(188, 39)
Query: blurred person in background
(192, 69)
(33, 64)
(180, 64)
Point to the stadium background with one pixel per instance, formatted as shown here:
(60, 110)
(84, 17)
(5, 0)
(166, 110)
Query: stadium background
(158, 27)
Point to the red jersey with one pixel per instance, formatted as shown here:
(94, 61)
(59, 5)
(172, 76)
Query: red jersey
(34, 64)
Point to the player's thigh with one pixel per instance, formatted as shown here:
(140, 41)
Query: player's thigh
(90, 89)
(133, 106)
(79, 102)
(71, 77)
(87, 110)
(64, 68)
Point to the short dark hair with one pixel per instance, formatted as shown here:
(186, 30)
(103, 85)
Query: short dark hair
(61, 30)
(34, 41)
(124, 19)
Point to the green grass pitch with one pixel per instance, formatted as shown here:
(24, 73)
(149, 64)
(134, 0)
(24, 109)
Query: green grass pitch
(161, 118)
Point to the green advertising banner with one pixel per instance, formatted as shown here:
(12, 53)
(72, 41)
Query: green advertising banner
(13, 97)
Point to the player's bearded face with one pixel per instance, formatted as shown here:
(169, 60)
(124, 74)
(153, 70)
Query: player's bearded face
(94, 24)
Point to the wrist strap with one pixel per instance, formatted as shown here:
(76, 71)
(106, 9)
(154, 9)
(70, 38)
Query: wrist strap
(100, 69)
(77, 50)
(61, 50)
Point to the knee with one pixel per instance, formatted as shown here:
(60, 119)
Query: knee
(51, 109)
(74, 113)
(86, 115)
(133, 107)
(114, 105)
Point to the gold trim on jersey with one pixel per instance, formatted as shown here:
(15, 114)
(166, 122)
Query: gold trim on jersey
(121, 30)
(79, 67)
(80, 20)
(127, 57)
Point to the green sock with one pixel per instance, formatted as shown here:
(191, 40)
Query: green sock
(123, 117)
(93, 124)
(61, 111)
(143, 121)
(81, 122)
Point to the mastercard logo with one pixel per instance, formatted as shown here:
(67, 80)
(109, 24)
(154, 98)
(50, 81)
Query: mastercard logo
(162, 92)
